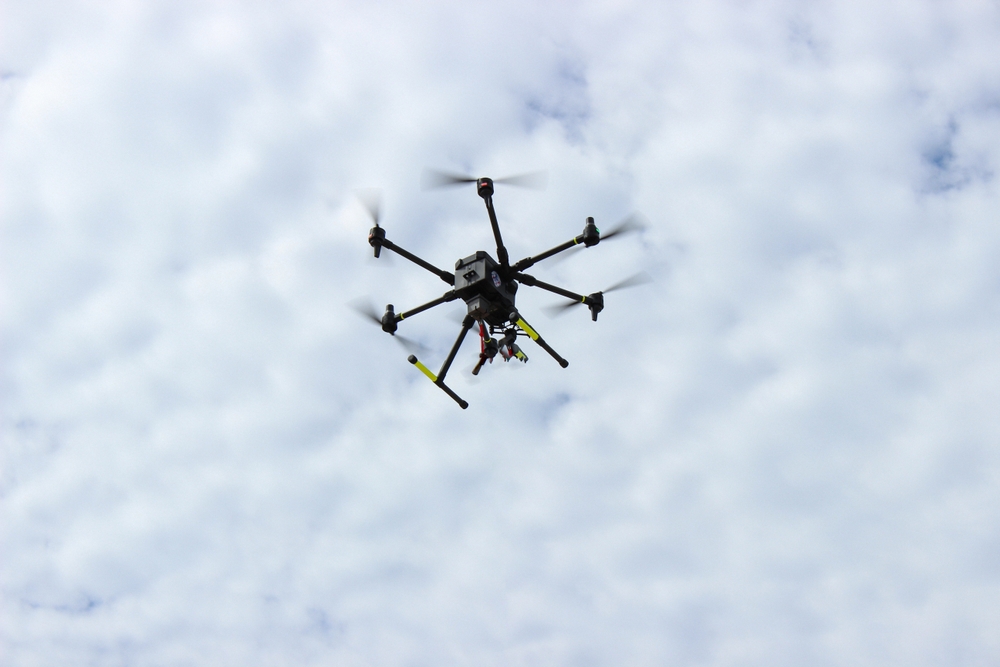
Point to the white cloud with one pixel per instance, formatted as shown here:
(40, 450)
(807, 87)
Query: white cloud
(782, 451)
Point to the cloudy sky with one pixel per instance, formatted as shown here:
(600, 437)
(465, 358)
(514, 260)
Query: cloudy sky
(783, 451)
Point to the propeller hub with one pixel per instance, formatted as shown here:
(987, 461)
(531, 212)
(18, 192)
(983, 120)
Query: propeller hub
(595, 302)
(484, 186)
(389, 320)
(375, 237)
(591, 234)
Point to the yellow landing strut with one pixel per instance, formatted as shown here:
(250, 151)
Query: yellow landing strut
(438, 381)
(524, 326)
(423, 369)
(439, 378)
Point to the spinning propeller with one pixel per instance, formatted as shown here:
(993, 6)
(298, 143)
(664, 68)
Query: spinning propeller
(634, 222)
(595, 301)
(366, 309)
(432, 178)
(372, 201)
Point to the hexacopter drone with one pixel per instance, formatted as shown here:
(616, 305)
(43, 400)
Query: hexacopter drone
(488, 286)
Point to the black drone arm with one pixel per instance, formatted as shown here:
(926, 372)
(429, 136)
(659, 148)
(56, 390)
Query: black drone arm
(391, 318)
(466, 325)
(376, 237)
(527, 262)
(501, 250)
(532, 281)
(591, 236)
(450, 295)
(593, 301)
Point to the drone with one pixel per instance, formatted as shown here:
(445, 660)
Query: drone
(489, 286)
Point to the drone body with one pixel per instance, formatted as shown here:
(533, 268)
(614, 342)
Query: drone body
(489, 286)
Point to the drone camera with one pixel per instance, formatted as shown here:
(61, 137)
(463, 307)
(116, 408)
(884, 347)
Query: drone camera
(509, 349)
(512, 351)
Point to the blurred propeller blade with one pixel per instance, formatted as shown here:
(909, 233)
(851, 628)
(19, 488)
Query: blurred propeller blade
(565, 254)
(432, 178)
(560, 308)
(372, 200)
(364, 308)
(534, 180)
(412, 346)
(633, 223)
(640, 278)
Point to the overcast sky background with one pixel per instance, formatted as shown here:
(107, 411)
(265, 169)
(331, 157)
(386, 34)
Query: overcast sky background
(784, 451)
